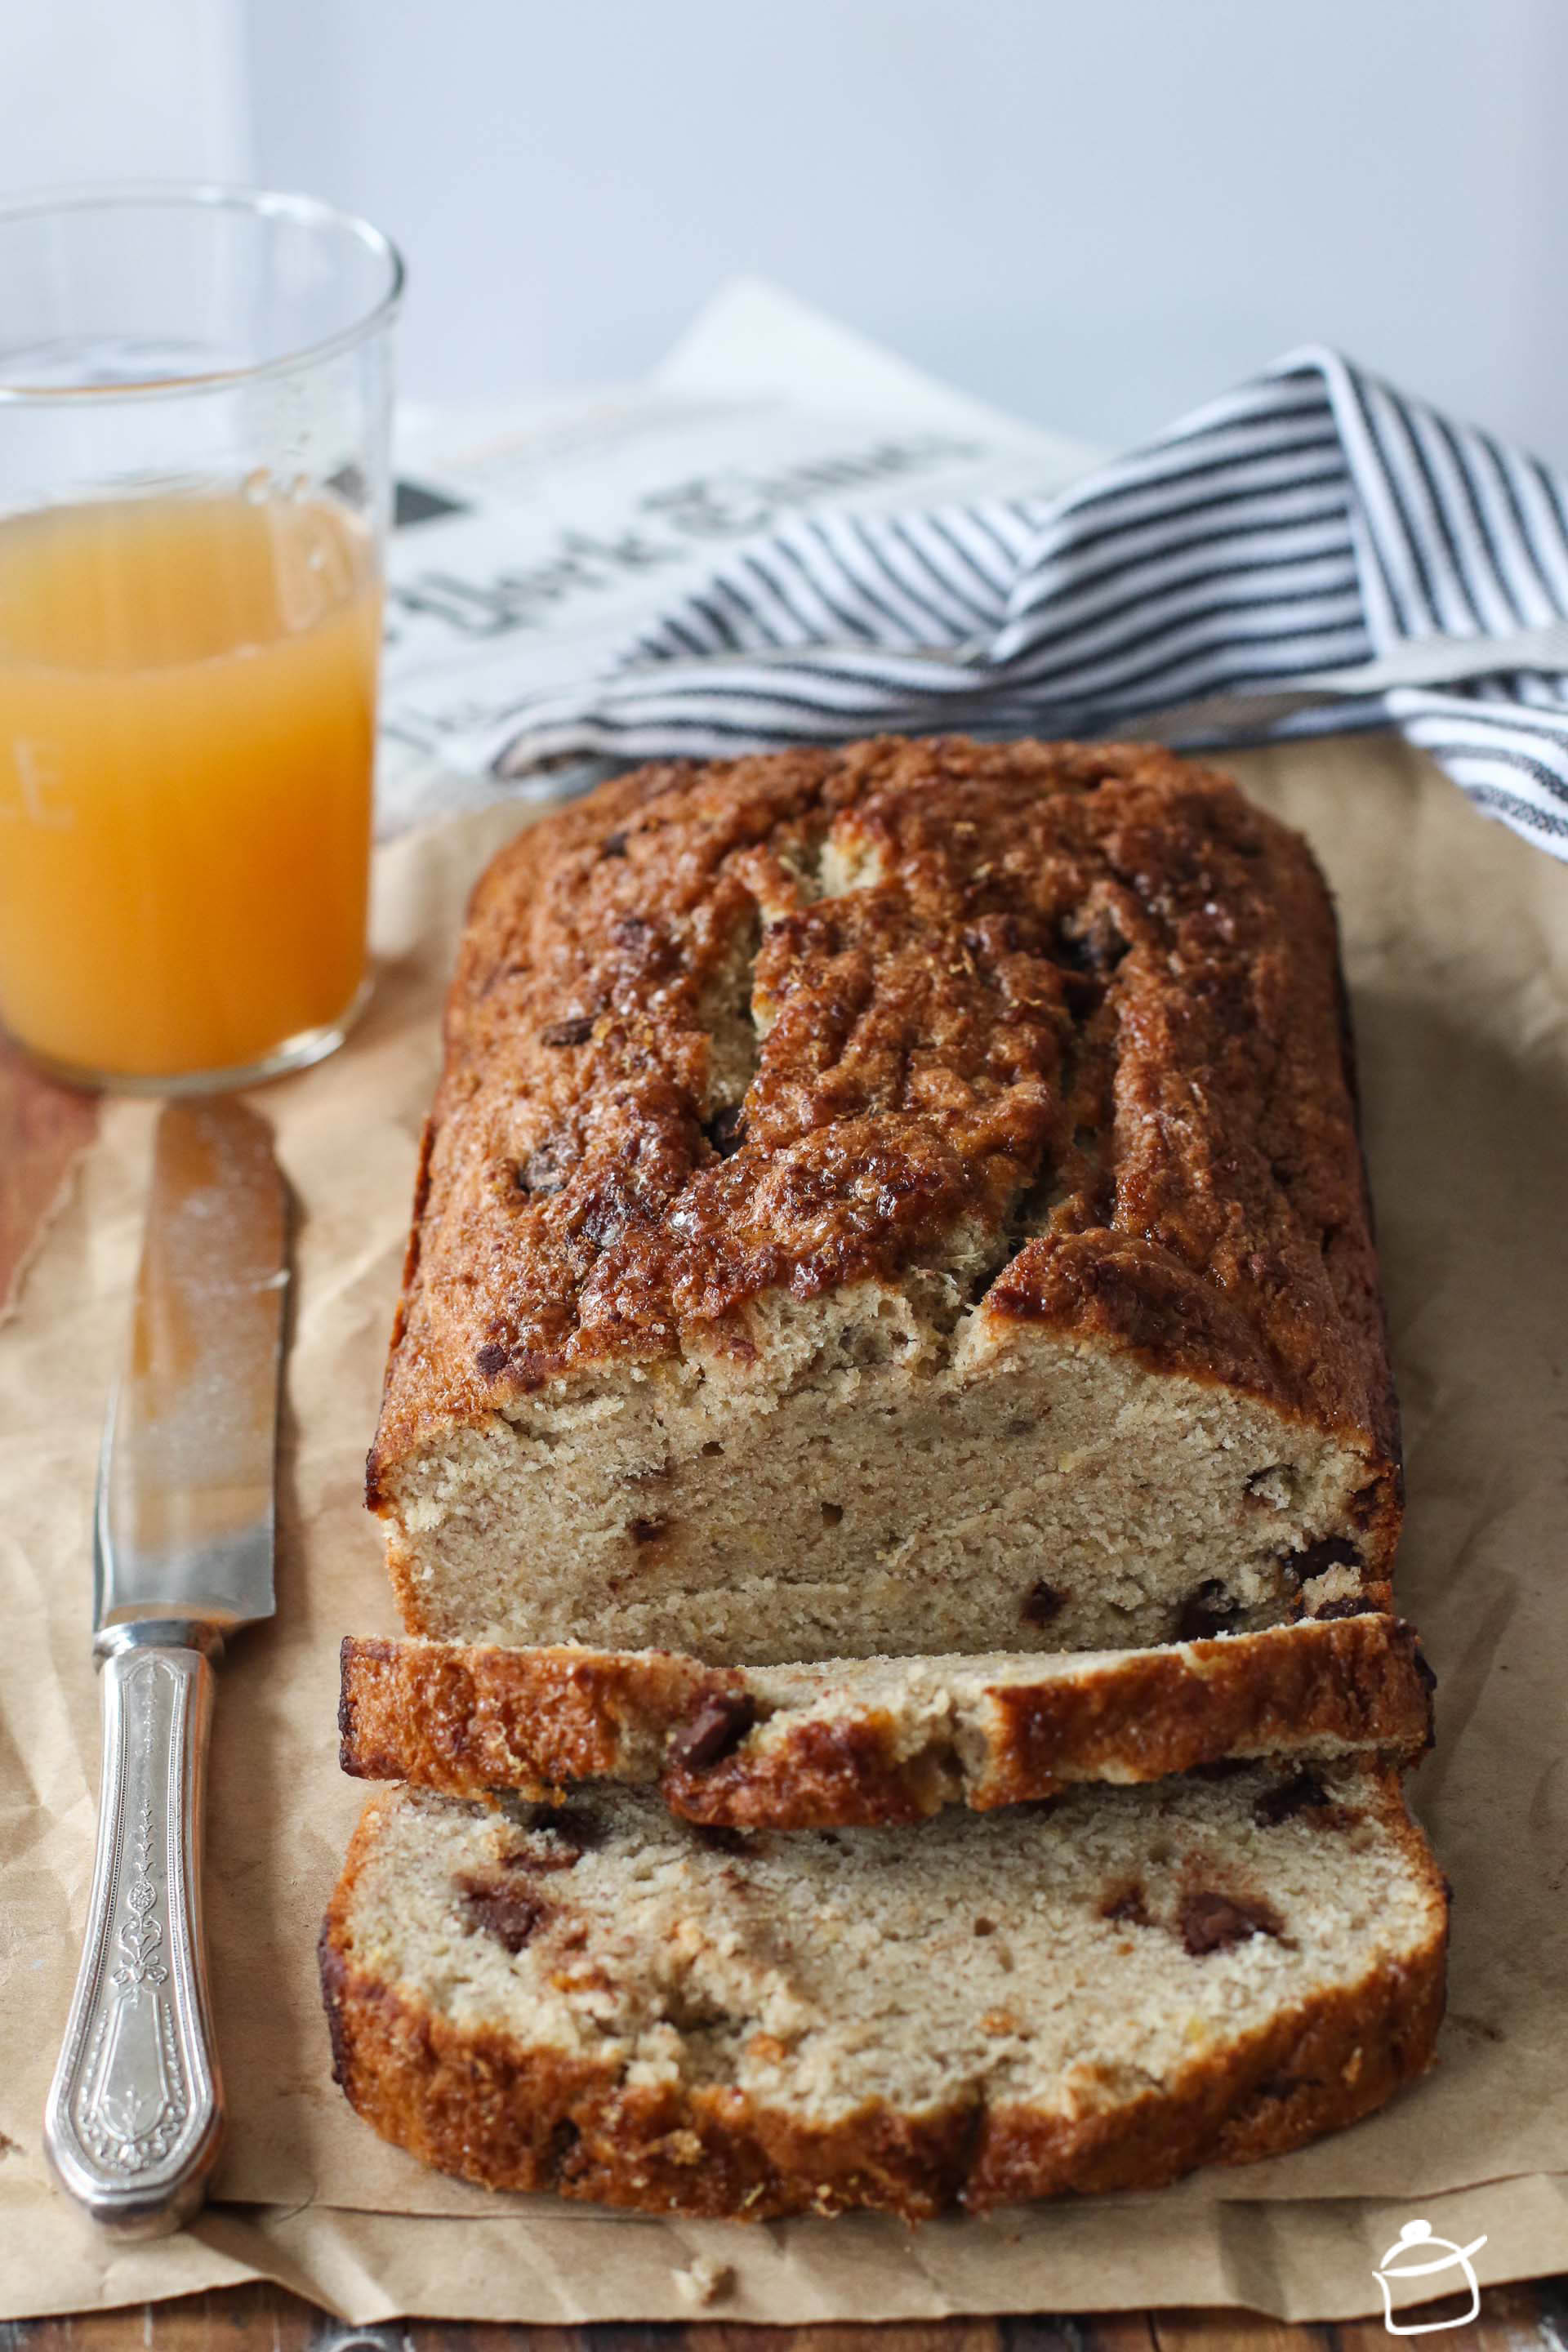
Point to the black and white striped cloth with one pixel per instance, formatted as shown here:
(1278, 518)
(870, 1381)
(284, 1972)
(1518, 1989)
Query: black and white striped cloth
(1313, 519)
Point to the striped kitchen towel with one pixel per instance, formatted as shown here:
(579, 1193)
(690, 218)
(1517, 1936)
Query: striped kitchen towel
(1313, 522)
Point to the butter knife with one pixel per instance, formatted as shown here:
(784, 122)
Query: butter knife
(182, 1557)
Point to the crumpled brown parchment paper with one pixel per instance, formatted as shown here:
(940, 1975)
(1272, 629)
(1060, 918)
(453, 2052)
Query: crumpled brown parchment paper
(1456, 946)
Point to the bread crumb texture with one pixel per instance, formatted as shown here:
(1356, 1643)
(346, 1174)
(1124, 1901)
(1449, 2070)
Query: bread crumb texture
(1093, 1994)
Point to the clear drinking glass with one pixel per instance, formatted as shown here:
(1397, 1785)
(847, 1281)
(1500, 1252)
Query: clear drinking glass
(195, 392)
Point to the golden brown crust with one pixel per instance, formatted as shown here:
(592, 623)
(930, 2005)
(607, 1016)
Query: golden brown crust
(1088, 994)
(1361, 1681)
(466, 1720)
(476, 2103)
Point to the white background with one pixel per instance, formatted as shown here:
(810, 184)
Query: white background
(1092, 215)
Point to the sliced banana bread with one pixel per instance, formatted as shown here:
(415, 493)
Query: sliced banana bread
(863, 1741)
(903, 1199)
(1097, 1993)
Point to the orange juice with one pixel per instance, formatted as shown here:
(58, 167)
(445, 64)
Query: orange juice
(187, 711)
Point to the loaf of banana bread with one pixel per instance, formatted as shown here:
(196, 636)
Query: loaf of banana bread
(903, 1199)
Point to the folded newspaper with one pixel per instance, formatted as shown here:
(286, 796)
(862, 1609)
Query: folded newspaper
(530, 550)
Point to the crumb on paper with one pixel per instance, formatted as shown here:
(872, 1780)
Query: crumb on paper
(703, 2280)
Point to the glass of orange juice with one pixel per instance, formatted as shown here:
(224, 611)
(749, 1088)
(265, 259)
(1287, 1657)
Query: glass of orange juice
(196, 390)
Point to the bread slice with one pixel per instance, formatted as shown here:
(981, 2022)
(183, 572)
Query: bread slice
(859, 1741)
(1095, 1994)
(896, 1200)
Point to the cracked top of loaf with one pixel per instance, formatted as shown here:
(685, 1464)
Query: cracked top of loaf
(1060, 1026)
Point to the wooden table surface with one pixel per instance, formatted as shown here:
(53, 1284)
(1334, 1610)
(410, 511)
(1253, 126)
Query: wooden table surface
(1513, 2319)
(43, 1130)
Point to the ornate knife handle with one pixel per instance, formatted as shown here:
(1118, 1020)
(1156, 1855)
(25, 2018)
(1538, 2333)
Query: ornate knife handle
(135, 2112)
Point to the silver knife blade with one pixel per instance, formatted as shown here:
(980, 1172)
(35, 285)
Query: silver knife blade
(185, 1516)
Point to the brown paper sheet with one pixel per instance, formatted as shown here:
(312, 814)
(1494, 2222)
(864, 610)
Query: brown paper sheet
(1457, 944)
